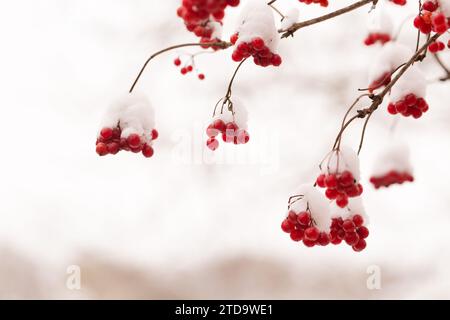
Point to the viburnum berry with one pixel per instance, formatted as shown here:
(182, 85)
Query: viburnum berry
(373, 38)
(436, 46)
(432, 18)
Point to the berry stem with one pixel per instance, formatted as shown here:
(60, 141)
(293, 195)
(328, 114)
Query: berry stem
(222, 44)
(290, 31)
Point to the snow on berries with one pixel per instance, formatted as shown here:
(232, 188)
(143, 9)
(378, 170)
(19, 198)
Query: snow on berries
(308, 219)
(391, 56)
(340, 176)
(434, 16)
(256, 35)
(128, 125)
(323, 3)
(349, 225)
(392, 166)
(380, 27)
(229, 125)
(408, 95)
(203, 18)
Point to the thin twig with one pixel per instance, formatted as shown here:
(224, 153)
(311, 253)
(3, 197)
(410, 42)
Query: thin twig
(222, 44)
(291, 30)
(443, 66)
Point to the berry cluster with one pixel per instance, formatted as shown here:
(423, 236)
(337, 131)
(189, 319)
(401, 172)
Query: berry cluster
(431, 19)
(187, 68)
(340, 187)
(375, 37)
(262, 56)
(323, 3)
(110, 141)
(411, 105)
(392, 177)
(350, 230)
(399, 2)
(436, 46)
(231, 133)
(301, 227)
(198, 13)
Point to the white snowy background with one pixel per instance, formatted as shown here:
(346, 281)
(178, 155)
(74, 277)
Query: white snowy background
(180, 225)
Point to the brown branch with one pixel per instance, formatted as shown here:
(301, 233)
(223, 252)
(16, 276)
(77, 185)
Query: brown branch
(290, 31)
(222, 45)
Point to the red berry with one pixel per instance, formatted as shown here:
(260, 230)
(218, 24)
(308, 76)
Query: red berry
(342, 201)
(321, 181)
(134, 141)
(312, 234)
(351, 238)
(286, 226)
(201, 76)
(331, 181)
(102, 149)
(360, 246)
(147, 151)
(324, 239)
(106, 133)
(297, 235)
(363, 232)
(177, 62)
(304, 218)
(348, 226)
(155, 134)
(212, 144)
(358, 220)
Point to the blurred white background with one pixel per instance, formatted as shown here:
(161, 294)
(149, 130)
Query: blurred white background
(194, 227)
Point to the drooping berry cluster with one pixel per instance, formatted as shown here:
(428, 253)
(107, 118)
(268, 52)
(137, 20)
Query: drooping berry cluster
(351, 230)
(411, 105)
(230, 132)
(340, 187)
(110, 141)
(373, 38)
(323, 3)
(256, 48)
(301, 227)
(431, 19)
(392, 177)
(187, 68)
(197, 15)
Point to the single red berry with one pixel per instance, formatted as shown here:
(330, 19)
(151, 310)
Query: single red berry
(177, 62)
(348, 226)
(304, 218)
(258, 43)
(331, 181)
(358, 220)
(106, 133)
(155, 134)
(297, 235)
(312, 234)
(212, 144)
(321, 181)
(360, 246)
(134, 141)
(309, 243)
(147, 151)
(363, 232)
(342, 200)
(286, 226)
(351, 238)
(113, 148)
(324, 239)
(201, 76)
(101, 149)
(331, 194)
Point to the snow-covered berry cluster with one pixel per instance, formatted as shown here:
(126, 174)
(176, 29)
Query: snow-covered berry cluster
(188, 67)
(231, 125)
(308, 219)
(313, 221)
(380, 27)
(256, 35)
(407, 97)
(433, 17)
(128, 125)
(323, 3)
(392, 166)
(203, 17)
(340, 176)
